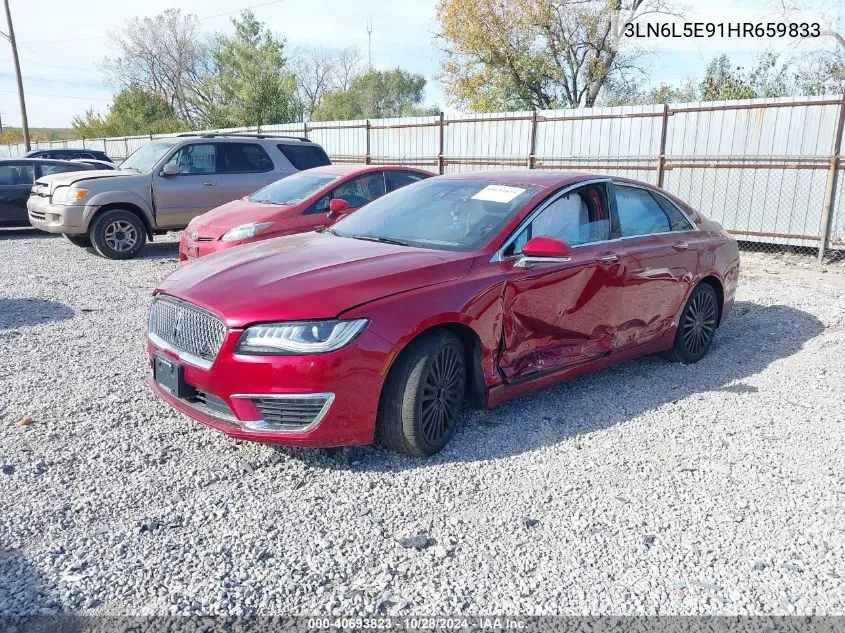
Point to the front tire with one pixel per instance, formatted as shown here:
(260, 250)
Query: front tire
(83, 241)
(697, 325)
(423, 395)
(118, 234)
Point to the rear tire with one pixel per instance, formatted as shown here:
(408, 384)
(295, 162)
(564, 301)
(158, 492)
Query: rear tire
(697, 326)
(82, 241)
(423, 395)
(118, 234)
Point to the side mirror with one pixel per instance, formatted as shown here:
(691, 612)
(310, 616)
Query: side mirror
(170, 169)
(543, 249)
(337, 207)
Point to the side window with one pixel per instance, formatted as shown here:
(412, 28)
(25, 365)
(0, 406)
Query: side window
(677, 220)
(361, 190)
(243, 158)
(639, 213)
(16, 174)
(398, 179)
(579, 217)
(46, 170)
(200, 158)
(321, 206)
(304, 156)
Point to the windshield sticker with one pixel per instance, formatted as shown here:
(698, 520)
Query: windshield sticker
(498, 193)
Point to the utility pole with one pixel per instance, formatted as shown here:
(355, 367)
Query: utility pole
(369, 42)
(11, 38)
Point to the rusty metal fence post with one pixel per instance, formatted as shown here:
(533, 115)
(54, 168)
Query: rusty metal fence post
(367, 154)
(661, 158)
(532, 139)
(830, 187)
(441, 161)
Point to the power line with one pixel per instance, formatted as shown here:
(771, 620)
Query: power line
(31, 43)
(33, 94)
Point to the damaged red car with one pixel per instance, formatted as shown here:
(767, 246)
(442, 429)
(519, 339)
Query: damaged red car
(462, 289)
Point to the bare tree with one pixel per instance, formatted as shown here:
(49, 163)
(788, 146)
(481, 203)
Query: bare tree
(322, 70)
(167, 55)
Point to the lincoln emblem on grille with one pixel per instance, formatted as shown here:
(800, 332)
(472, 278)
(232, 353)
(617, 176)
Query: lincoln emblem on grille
(177, 327)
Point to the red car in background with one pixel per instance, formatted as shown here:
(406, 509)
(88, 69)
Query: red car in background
(295, 204)
(472, 287)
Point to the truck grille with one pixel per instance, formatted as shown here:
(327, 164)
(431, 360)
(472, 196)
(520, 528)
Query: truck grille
(186, 329)
(292, 413)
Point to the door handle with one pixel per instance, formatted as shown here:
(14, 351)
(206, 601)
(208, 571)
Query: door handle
(208, 184)
(607, 258)
(680, 246)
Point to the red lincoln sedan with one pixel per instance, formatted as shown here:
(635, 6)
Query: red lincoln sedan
(471, 288)
(295, 204)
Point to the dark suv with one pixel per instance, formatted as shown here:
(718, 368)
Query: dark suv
(68, 154)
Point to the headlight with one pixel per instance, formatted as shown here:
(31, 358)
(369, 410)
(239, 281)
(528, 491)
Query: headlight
(69, 195)
(299, 337)
(245, 231)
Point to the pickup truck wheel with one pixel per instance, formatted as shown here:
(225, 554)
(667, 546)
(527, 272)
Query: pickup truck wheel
(118, 234)
(79, 240)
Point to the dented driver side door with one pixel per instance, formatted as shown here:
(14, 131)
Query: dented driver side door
(560, 314)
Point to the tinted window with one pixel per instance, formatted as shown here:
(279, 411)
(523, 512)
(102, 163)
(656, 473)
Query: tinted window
(243, 158)
(579, 217)
(446, 214)
(16, 174)
(200, 158)
(293, 189)
(398, 179)
(46, 170)
(677, 220)
(304, 156)
(361, 190)
(639, 214)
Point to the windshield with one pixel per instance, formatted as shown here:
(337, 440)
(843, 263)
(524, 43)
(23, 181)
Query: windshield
(447, 214)
(146, 157)
(293, 189)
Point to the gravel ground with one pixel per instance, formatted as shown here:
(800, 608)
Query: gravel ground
(650, 487)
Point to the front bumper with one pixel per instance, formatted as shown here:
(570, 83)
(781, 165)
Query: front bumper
(352, 376)
(190, 250)
(56, 218)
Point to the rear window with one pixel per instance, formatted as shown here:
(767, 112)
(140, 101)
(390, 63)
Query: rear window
(243, 158)
(304, 156)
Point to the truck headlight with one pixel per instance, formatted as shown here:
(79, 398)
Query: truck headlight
(69, 195)
(299, 337)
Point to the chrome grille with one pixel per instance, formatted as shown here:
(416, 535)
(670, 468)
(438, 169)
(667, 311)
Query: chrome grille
(291, 413)
(186, 329)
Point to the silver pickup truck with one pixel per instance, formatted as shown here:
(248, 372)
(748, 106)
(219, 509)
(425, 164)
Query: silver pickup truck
(163, 186)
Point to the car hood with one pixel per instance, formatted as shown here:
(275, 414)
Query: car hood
(217, 221)
(106, 179)
(307, 276)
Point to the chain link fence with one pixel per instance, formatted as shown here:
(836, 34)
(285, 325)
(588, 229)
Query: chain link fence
(769, 170)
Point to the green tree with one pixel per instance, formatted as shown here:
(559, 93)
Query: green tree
(724, 82)
(134, 111)
(251, 85)
(376, 94)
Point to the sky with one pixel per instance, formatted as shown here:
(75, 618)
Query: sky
(62, 44)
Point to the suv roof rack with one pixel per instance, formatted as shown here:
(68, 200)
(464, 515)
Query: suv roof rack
(244, 134)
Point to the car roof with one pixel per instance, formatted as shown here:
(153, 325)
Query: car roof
(347, 170)
(540, 177)
(40, 161)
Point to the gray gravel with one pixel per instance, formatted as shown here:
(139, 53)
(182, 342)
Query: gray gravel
(647, 488)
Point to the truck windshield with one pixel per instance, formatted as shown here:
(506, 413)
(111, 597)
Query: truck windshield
(145, 158)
